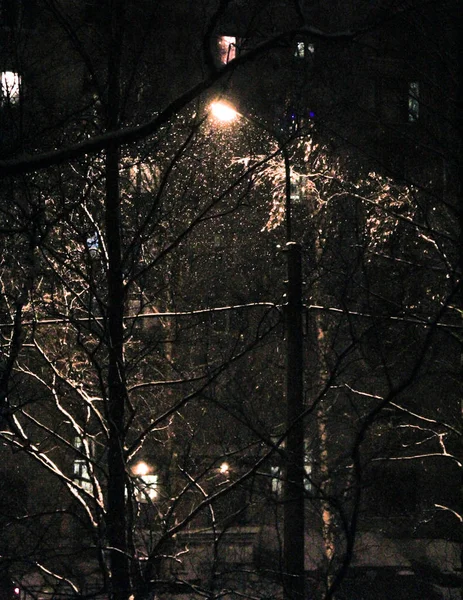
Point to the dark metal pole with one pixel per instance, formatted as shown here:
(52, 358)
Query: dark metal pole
(294, 580)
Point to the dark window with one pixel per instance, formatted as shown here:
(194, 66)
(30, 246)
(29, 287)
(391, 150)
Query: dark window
(392, 101)
(9, 13)
(93, 11)
(17, 13)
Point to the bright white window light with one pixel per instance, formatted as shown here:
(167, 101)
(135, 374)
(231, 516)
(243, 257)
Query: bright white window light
(11, 83)
(304, 49)
(276, 475)
(300, 50)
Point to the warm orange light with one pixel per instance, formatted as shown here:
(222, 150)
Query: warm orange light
(224, 467)
(224, 112)
(141, 469)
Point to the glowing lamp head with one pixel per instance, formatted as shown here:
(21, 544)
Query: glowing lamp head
(224, 468)
(141, 469)
(223, 112)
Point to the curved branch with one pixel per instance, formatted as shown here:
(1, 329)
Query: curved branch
(127, 135)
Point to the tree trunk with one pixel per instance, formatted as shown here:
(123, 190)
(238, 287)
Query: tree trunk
(322, 474)
(116, 388)
(116, 385)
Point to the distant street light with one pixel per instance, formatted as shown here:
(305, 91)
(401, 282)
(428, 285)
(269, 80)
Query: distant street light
(141, 469)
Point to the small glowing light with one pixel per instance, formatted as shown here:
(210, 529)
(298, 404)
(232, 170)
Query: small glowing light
(141, 469)
(222, 111)
(16, 591)
(10, 83)
(224, 467)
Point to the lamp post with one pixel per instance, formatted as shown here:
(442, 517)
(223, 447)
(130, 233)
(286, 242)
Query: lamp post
(294, 543)
(293, 535)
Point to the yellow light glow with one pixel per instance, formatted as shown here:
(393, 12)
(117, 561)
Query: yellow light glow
(224, 467)
(224, 112)
(141, 469)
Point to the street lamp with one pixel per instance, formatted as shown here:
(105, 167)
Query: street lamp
(224, 468)
(223, 111)
(293, 484)
(141, 469)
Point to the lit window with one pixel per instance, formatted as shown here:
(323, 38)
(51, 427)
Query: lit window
(308, 468)
(304, 50)
(227, 48)
(300, 50)
(81, 466)
(276, 481)
(11, 83)
(93, 244)
(145, 484)
(81, 475)
(277, 474)
(146, 488)
(413, 101)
